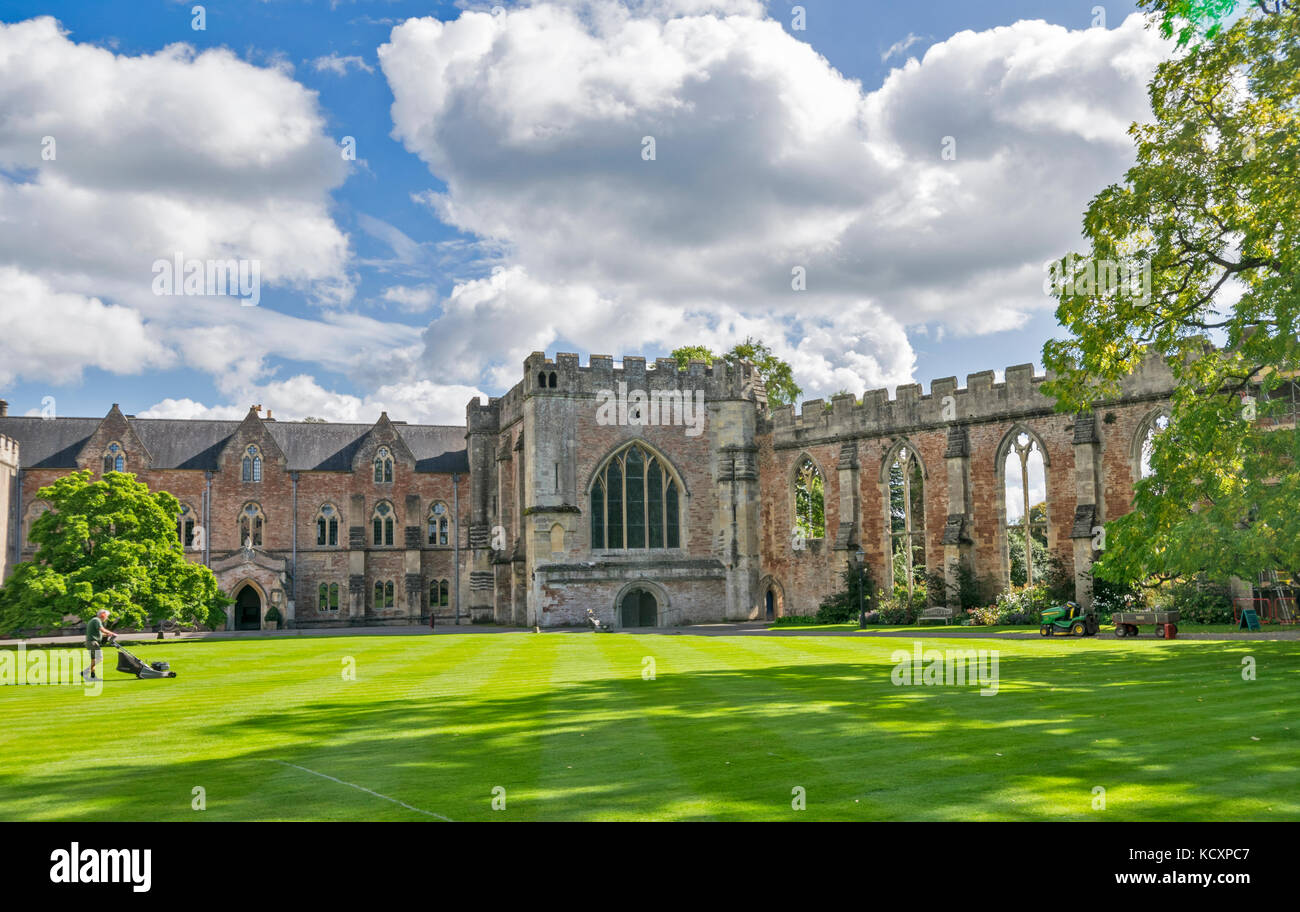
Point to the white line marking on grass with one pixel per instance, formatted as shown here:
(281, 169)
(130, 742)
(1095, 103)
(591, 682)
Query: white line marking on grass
(364, 789)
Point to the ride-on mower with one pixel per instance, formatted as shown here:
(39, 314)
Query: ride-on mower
(1071, 619)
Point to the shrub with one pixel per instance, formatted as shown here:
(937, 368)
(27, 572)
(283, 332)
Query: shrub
(986, 616)
(841, 607)
(1024, 605)
(796, 620)
(1108, 597)
(893, 610)
(1198, 601)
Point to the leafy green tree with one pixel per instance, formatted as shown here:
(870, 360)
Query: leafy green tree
(777, 375)
(1209, 220)
(107, 544)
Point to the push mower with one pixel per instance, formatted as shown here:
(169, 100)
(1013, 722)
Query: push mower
(129, 664)
(1071, 619)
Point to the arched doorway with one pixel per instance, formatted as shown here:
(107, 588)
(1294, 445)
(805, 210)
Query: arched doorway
(639, 609)
(248, 609)
(769, 602)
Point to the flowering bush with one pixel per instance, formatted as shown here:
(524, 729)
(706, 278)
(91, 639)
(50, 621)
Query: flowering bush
(984, 617)
(1023, 606)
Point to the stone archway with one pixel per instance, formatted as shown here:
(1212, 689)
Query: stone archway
(638, 608)
(247, 610)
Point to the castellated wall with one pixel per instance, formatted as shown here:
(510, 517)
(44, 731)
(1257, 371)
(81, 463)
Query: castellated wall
(962, 436)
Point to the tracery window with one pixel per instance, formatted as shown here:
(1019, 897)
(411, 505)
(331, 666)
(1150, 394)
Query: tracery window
(251, 521)
(907, 519)
(383, 522)
(634, 502)
(809, 501)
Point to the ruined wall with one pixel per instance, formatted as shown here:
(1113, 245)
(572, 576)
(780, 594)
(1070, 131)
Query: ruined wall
(961, 436)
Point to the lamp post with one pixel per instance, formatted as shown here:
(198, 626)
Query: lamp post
(862, 610)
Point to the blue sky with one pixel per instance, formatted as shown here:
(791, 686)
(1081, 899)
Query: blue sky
(917, 268)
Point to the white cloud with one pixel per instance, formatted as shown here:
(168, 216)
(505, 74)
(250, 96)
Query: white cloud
(900, 47)
(302, 396)
(200, 154)
(766, 159)
(53, 336)
(339, 66)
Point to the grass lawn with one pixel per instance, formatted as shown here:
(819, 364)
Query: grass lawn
(566, 724)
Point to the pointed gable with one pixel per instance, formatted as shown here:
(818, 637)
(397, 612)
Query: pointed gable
(383, 434)
(252, 431)
(115, 428)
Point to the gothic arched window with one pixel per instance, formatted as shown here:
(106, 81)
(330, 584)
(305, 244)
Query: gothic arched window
(327, 526)
(251, 465)
(114, 458)
(635, 502)
(329, 596)
(439, 526)
(809, 501)
(383, 594)
(1154, 425)
(251, 521)
(438, 594)
(185, 522)
(383, 520)
(1025, 487)
(907, 519)
(383, 466)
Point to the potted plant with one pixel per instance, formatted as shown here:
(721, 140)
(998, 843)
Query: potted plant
(273, 618)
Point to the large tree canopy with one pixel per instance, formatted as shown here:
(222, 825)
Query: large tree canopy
(107, 544)
(778, 377)
(1204, 233)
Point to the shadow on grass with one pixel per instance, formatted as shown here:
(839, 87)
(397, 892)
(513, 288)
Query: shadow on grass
(1171, 729)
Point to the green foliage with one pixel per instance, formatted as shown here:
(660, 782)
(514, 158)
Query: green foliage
(1199, 601)
(273, 615)
(892, 611)
(1108, 597)
(796, 620)
(972, 591)
(688, 353)
(107, 544)
(778, 376)
(842, 606)
(1212, 202)
(1024, 605)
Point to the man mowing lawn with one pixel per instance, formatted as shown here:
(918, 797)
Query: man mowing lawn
(95, 631)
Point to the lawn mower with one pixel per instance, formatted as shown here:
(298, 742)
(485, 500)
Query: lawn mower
(131, 665)
(1071, 619)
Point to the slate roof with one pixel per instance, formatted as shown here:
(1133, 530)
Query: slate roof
(177, 443)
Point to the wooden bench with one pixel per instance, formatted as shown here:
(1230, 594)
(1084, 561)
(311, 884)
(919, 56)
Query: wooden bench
(944, 615)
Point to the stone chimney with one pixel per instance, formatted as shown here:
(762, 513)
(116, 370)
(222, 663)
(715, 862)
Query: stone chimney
(4, 408)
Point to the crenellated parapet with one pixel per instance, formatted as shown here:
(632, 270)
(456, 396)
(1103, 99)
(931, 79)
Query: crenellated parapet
(1018, 395)
(564, 375)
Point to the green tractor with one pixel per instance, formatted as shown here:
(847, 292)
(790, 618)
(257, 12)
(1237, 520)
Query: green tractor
(1069, 618)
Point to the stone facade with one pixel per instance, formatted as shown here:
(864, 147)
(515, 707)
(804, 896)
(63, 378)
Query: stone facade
(303, 467)
(518, 482)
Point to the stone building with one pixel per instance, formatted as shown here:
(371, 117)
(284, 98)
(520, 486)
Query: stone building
(649, 495)
(331, 523)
